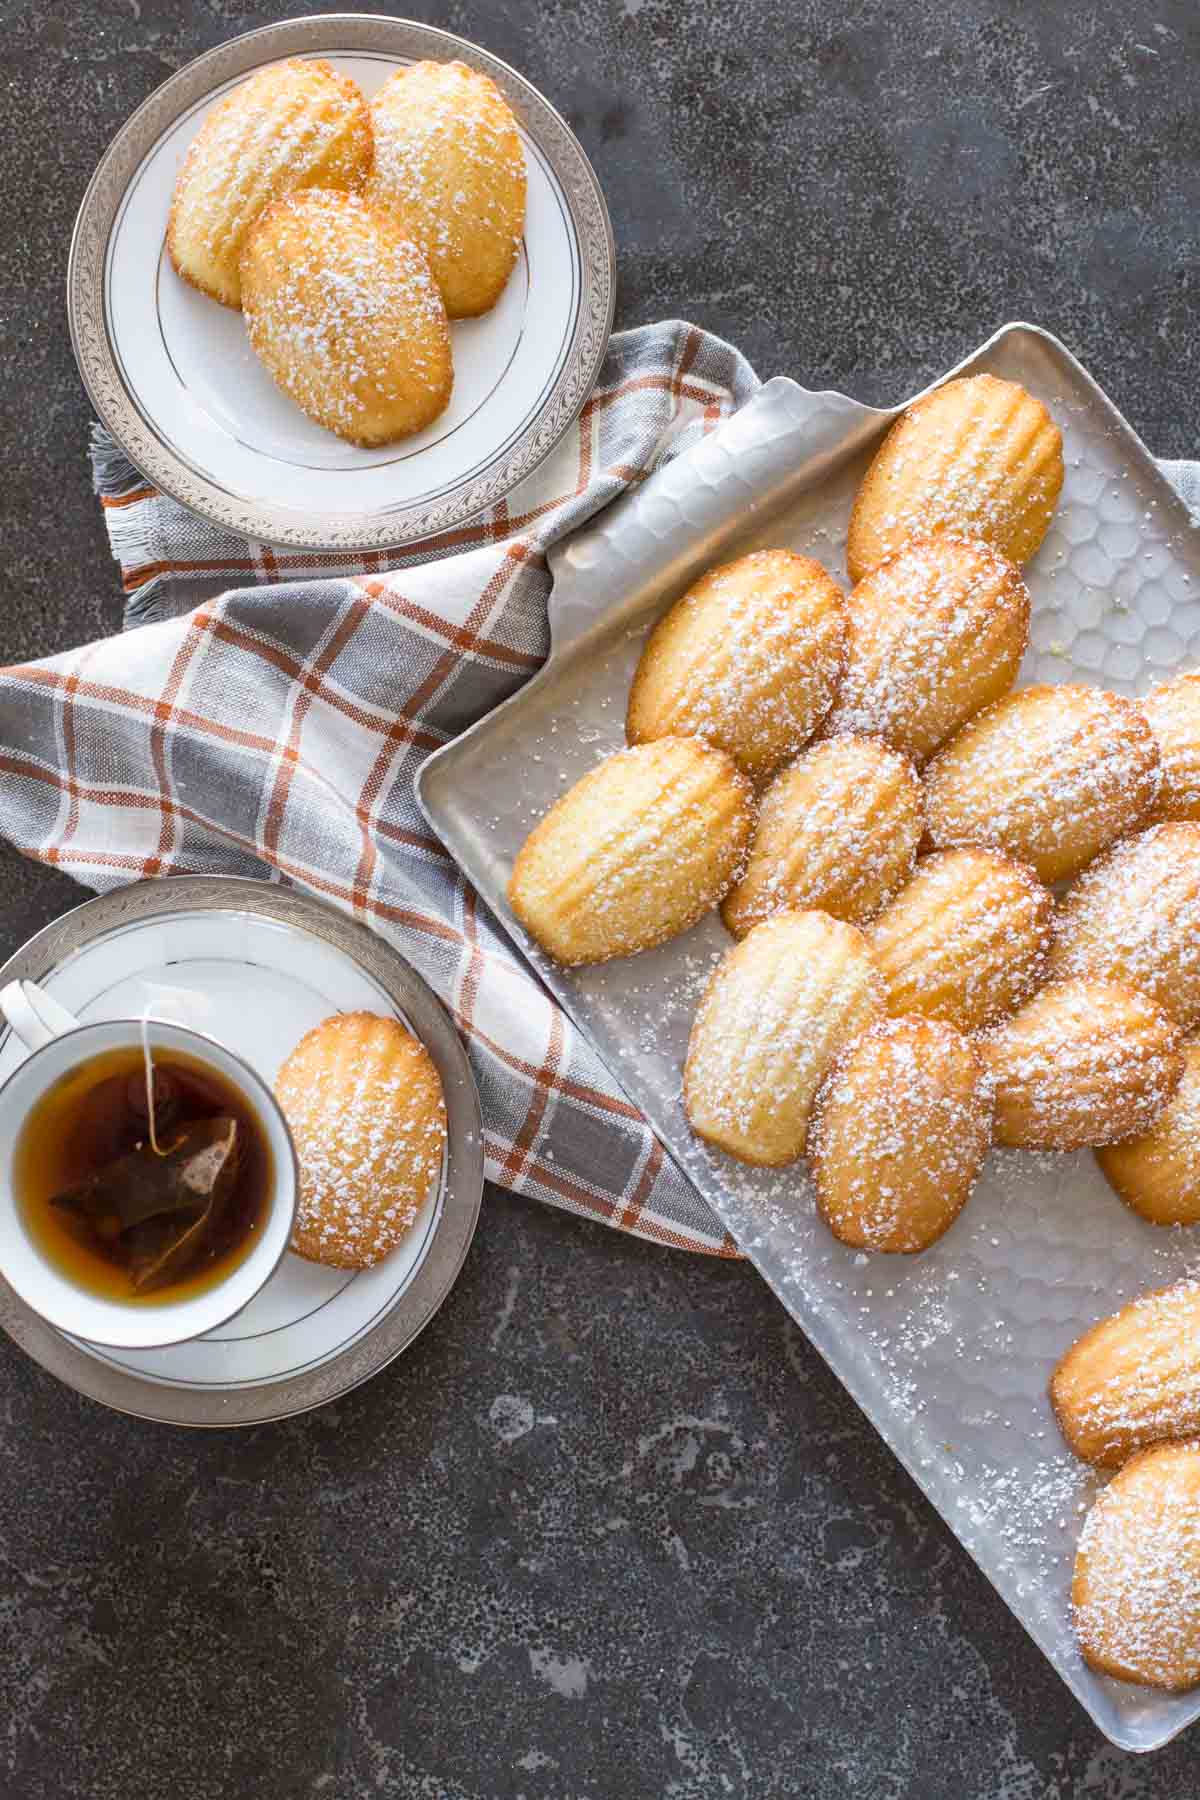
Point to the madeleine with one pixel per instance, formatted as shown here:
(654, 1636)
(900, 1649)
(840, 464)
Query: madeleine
(901, 1127)
(977, 458)
(1158, 1174)
(748, 659)
(778, 1009)
(342, 312)
(965, 941)
(1135, 1596)
(1133, 1379)
(297, 124)
(1051, 775)
(837, 832)
(636, 852)
(934, 634)
(1082, 1063)
(450, 170)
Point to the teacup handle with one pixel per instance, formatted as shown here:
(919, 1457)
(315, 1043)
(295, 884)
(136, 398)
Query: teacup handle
(36, 1018)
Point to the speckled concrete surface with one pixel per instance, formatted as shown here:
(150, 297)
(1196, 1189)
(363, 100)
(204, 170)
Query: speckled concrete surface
(610, 1529)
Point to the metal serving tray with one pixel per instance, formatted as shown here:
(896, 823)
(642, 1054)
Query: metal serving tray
(948, 1353)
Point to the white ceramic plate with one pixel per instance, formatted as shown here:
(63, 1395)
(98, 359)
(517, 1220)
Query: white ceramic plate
(172, 375)
(256, 966)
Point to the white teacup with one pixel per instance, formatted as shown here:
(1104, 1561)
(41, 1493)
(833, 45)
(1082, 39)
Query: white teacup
(57, 1043)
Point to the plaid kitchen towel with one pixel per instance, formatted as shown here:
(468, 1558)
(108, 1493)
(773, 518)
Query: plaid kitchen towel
(270, 717)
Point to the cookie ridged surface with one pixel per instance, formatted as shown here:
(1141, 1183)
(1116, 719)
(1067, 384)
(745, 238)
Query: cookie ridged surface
(1174, 714)
(978, 458)
(364, 1104)
(297, 124)
(450, 169)
(637, 851)
(965, 941)
(1134, 916)
(748, 659)
(837, 832)
(1082, 1063)
(1158, 1175)
(1051, 775)
(901, 1127)
(934, 634)
(1134, 1379)
(778, 1009)
(342, 311)
(1136, 1589)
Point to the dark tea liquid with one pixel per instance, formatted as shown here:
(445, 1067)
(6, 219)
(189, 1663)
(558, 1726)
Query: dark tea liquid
(95, 1115)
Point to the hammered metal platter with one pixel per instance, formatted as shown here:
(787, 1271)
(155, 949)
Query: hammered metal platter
(948, 1353)
(173, 378)
(256, 965)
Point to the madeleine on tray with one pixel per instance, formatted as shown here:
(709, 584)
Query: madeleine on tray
(778, 1009)
(637, 851)
(748, 659)
(1133, 1379)
(978, 458)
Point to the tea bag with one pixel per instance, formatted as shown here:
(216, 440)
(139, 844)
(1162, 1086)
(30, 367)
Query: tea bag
(163, 1206)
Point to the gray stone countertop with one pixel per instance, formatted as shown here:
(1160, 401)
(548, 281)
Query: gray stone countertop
(610, 1529)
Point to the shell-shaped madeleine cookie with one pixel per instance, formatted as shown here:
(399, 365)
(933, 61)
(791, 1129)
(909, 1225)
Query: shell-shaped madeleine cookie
(342, 311)
(748, 659)
(899, 1132)
(978, 458)
(638, 850)
(1051, 775)
(1158, 1174)
(1134, 916)
(934, 634)
(1133, 1379)
(450, 169)
(779, 1007)
(297, 124)
(1083, 1062)
(837, 832)
(364, 1104)
(965, 941)
(1174, 714)
(1135, 1596)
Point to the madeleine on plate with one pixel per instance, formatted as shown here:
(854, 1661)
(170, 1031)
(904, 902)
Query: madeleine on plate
(1083, 1062)
(1158, 1174)
(1133, 1379)
(342, 312)
(363, 1101)
(837, 832)
(1134, 916)
(1174, 714)
(965, 940)
(900, 1129)
(1136, 1593)
(640, 848)
(1051, 775)
(934, 634)
(450, 169)
(748, 659)
(977, 458)
(296, 124)
(779, 1007)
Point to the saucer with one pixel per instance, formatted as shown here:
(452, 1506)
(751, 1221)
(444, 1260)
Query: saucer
(173, 377)
(255, 966)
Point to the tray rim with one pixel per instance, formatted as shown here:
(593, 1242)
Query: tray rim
(851, 1381)
(413, 1308)
(330, 34)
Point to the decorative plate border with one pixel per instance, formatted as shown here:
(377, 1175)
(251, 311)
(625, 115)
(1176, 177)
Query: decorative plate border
(329, 33)
(463, 1183)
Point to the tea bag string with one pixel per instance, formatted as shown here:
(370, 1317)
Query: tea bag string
(149, 1069)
